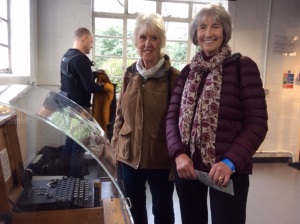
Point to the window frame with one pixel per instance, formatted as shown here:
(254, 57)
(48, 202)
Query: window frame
(125, 16)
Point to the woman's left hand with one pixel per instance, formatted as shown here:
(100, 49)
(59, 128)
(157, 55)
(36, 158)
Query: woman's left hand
(220, 173)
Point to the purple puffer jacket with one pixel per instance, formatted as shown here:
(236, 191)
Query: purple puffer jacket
(242, 121)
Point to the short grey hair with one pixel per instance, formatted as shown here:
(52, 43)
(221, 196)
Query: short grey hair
(153, 22)
(218, 12)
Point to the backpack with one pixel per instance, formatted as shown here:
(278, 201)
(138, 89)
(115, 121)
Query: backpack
(65, 68)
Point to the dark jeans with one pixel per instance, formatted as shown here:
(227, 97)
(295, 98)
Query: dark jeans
(72, 159)
(161, 190)
(225, 208)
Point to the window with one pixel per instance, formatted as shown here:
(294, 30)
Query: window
(5, 66)
(113, 27)
(14, 38)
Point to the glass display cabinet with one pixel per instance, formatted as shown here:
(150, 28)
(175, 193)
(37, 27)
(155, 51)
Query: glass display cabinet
(33, 188)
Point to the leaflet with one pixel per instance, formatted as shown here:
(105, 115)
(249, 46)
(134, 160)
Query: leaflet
(204, 178)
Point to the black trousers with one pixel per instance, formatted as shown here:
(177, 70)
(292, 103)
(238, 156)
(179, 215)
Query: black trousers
(225, 208)
(161, 190)
(72, 160)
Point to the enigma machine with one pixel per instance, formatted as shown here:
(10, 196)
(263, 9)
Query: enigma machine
(33, 188)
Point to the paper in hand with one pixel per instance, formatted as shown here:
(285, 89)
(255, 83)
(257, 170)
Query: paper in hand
(204, 178)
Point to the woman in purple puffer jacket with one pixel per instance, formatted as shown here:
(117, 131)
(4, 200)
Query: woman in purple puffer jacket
(217, 119)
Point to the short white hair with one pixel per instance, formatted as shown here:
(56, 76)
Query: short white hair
(153, 22)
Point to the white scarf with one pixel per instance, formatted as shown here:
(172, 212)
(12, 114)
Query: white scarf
(152, 72)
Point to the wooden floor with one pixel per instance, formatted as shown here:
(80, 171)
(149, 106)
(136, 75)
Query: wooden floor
(274, 196)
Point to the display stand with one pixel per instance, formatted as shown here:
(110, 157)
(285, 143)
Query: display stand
(11, 167)
(70, 119)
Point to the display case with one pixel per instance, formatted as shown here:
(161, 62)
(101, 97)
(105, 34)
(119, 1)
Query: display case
(37, 192)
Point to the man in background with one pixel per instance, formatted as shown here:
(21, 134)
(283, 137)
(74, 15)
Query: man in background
(78, 83)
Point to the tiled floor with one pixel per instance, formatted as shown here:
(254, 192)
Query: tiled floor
(274, 196)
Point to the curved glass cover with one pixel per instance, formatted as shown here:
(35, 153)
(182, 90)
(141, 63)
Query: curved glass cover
(72, 120)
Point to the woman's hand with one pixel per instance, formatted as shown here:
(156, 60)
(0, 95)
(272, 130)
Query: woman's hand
(185, 167)
(220, 173)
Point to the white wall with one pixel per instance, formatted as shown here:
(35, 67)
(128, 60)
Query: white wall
(257, 27)
(250, 29)
(283, 104)
(57, 20)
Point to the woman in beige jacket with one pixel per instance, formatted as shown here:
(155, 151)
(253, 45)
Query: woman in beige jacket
(139, 130)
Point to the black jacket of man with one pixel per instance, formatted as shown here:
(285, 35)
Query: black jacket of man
(79, 82)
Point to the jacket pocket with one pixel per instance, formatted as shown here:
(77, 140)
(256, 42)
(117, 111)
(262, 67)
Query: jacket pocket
(158, 151)
(124, 142)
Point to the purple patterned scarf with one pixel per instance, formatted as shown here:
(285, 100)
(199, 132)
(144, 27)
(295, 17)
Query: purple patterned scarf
(198, 125)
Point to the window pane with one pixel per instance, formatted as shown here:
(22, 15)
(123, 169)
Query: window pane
(130, 62)
(3, 9)
(131, 50)
(177, 50)
(114, 6)
(3, 31)
(118, 81)
(3, 58)
(130, 27)
(177, 31)
(178, 10)
(197, 8)
(109, 27)
(112, 66)
(108, 46)
(141, 6)
(178, 64)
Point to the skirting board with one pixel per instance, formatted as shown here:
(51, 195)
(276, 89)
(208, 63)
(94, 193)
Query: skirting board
(272, 159)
